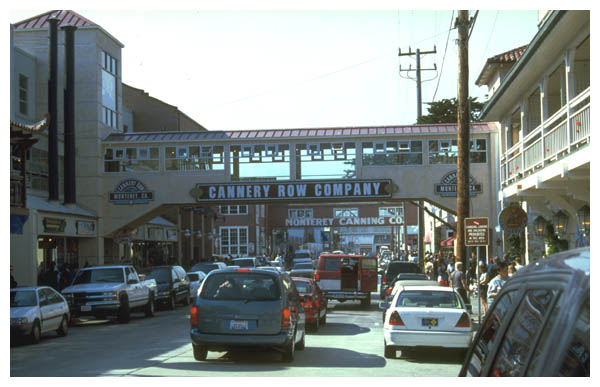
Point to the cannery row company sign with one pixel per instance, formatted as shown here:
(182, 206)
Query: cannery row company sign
(447, 186)
(131, 191)
(296, 190)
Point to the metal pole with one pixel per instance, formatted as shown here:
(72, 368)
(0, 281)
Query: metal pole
(419, 110)
(479, 288)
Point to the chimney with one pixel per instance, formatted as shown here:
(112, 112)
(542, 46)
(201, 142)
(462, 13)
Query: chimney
(52, 109)
(69, 107)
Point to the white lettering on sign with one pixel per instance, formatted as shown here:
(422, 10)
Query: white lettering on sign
(212, 192)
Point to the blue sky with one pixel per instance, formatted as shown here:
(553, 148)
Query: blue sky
(264, 69)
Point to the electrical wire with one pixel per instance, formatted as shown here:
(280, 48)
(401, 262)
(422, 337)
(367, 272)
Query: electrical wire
(444, 58)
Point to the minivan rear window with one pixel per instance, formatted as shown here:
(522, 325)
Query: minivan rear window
(331, 264)
(241, 286)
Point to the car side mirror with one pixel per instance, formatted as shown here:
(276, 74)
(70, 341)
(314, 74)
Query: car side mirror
(384, 305)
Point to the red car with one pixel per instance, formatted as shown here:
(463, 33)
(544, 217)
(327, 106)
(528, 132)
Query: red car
(313, 301)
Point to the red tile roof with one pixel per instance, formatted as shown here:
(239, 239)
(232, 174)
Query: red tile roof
(66, 18)
(491, 65)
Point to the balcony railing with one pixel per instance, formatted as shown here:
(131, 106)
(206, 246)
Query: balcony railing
(562, 134)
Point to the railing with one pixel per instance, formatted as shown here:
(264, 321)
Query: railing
(532, 155)
(580, 126)
(556, 141)
(515, 166)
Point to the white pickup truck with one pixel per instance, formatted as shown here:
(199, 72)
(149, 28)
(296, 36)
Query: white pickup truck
(114, 290)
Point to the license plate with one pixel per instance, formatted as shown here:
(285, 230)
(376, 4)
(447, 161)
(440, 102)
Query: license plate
(86, 308)
(238, 324)
(430, 322)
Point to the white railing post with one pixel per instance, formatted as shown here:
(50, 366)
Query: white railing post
(544, 111)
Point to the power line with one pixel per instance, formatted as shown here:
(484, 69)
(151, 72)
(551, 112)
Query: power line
(444, 58)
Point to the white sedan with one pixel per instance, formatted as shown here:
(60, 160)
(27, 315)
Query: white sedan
(37, 310)
(425, 316)
(196, 279)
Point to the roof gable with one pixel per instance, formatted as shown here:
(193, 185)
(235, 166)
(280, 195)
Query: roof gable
(66, 17)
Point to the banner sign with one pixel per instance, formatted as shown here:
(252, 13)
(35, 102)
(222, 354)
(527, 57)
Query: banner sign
(344, 221)
(447, 186)
(296, 190)
(476, 232)
(131, 191)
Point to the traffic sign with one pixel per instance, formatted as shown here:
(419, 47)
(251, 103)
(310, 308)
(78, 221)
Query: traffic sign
(476, 231)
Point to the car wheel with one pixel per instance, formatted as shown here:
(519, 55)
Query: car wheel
(200, 352)
(171, 305)
(390, 352)
(36, 332)
(288, 354)
(149, 310)
(124, 312)
(301, 344)
(63, 329)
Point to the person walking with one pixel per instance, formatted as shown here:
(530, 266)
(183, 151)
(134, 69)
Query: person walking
(442, 274)
(496, 283)
(458, 282)
(483, 286)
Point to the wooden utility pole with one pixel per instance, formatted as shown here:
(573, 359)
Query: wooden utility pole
(462, 194)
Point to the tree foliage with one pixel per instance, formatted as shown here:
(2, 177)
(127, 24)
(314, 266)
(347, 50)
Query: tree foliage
(445, 111)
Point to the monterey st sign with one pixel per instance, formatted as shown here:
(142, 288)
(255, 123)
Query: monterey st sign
(297, 190)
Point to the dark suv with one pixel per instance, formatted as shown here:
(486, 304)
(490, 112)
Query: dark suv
(392, 269)
(539, 324)
(172, 285)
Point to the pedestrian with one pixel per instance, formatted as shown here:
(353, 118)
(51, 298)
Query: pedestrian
(517, 263)
(493, 267)
(429, 268)
(451, 266)
(483, 286)
(511, 269)
(442, 274)
(13, 281)
(458, 282)
(496, 283)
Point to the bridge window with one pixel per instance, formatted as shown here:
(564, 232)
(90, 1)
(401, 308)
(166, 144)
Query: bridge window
(139, 159)
(240, 209)
(260, 162)
(446, 151)
(326, 160)
(403, 152)
(194, 158)
(234, 241)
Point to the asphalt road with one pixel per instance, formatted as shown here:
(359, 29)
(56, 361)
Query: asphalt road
(350, 344)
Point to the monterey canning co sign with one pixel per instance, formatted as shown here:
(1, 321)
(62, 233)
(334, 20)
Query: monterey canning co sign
(296, 190)
(131, 191)
(447, 186)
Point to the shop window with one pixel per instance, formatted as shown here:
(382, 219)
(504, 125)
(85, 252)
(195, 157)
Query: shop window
(345, 212)
(234, 241)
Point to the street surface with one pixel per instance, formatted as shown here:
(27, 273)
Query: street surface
(350, 344)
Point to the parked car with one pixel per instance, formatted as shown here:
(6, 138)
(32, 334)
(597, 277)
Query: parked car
(303, 270)
(244, 262)
(347, 277)
(172, 285)
(195, 279)
(112, 290)
(392, 269)
(208, 267)
(539, 324)
(37, 310)
(313, 301)
(247, 307)
(425, 317)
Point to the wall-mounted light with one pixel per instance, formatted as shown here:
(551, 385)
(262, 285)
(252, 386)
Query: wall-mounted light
(539, 225)
(560, 221)
(583, 216)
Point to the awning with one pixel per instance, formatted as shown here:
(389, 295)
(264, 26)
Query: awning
(447, 242)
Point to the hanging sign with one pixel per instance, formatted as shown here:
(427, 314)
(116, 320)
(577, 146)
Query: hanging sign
(131, 191)
(512, 220)
(447, 186)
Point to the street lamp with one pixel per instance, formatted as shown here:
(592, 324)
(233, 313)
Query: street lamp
(540, 226)
(584, 220)
(560, 221)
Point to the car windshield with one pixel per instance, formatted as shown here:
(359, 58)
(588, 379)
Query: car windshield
(22, 298)
(240, 286)
(303, 287)
(162, 276)
(428, 299)
(301, 255)
(395, 268)
(99, 275)
(302, 266)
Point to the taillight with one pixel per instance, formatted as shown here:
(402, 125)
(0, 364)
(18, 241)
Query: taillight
(464, 321)
(307, 304)
(317, 276)
(286, 318)
(194, 316)
(395, 319)
(243, 270)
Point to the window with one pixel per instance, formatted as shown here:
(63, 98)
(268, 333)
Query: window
(478, 151)
(300, 213)
(577, 358)
(241, 209)
(331, 264)
(522, 332)
(109, 90)
(391, 212)
(534, 111)
(488, 335)
(194, 158)
(138, 159)
(405, 152)
(260, 162)
(234, 241)
(582, 66)
(23, 94)
(37, 169)
(557, 94)
(345, 212)
(446, 151)
(326, 160)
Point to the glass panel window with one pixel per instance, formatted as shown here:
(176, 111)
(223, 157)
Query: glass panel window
(109, 90)
(391, 212)
(134, 159)
(194, 158)
(557, 94)
(393, 153)
(23, 94)
(345, 212)
(326, 161)
(234, 209)
(260, 162)
(300, 213)
(582, 66)
(534, 111)
(234, 241)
